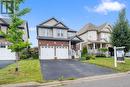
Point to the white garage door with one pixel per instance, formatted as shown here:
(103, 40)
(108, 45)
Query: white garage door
(6, 54)
(47, 52)
(62, 52)
(50, 52)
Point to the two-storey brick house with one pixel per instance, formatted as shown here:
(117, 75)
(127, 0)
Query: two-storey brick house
(5, 53)
(56, 40)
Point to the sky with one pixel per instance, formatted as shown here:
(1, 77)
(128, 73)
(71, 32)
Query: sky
(73, 13)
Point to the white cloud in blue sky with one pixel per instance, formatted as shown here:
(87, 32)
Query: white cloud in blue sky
(107, 6)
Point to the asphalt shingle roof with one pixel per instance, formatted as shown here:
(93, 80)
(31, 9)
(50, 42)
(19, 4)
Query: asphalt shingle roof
(91, 26)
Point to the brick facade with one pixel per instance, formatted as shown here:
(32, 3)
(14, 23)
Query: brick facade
(52, 43)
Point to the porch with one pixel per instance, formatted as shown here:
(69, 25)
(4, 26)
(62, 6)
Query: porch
(75, 47)
(93, 48)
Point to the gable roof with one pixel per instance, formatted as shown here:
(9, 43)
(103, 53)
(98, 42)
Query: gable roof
(7, 21)
(48, 21)
(101, 27)
(60, 24)
(53, 22)
(92, 27)
(87, 27)
(75, 38)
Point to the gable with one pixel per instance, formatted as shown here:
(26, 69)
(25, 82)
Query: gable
(107, 28)
(50, 22)
(2, 22)
(76, 38)
(61, 25)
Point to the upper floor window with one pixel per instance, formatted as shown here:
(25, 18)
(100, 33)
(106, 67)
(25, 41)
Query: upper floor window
(60, 33)
(45, 32)
(2, 46)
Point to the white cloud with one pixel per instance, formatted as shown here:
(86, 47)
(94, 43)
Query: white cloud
(107, 6)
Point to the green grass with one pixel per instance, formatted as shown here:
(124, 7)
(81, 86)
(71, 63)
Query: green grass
(29, 70)
(109, 62)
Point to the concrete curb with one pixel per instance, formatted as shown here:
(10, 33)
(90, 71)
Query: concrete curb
(61, 83)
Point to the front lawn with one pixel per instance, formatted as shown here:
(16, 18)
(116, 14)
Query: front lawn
(29, 70)
(109, 62)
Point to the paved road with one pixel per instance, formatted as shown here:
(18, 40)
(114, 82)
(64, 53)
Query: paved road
(119, 81)
(4, 63)
(54, 69)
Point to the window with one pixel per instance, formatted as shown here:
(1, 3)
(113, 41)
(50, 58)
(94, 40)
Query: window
(2, 46)
(45, 32)
(60, 33)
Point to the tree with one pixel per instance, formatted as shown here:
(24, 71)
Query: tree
(120, 35)
(84, 52)
(15, 35)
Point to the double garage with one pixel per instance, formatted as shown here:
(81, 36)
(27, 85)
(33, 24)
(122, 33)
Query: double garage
(54, 52)
(50, 49)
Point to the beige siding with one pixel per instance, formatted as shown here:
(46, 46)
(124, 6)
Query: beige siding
(92, 35)
(4, 29)
(50, 23)
(70, 34)
(60, 25)
(25, 36)
(84, 37)
(105, 36)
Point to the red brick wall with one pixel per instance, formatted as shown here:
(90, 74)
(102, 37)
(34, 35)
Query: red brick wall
(52, 43)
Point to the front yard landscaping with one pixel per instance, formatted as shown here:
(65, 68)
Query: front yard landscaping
(109, 62)
(29, 70)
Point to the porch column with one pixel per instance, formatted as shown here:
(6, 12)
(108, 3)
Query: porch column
(80, 46)
(70, 49)
(80, 50)
(100, 45)
(94, 48)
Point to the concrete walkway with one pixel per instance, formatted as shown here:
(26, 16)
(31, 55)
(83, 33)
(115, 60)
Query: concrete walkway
(4, 63)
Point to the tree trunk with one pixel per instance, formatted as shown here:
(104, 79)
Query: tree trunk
(17, 66)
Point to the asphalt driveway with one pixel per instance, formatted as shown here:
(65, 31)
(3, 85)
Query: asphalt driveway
(55, 69)
(4, 63)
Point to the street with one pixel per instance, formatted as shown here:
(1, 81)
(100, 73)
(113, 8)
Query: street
(113, 81)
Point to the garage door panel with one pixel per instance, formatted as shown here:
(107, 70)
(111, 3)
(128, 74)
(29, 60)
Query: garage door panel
(6, 54)
(47, 52)
(62, 52)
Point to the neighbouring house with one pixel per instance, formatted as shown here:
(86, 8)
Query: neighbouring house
(95, 37)
(5, 53)
(57, 41)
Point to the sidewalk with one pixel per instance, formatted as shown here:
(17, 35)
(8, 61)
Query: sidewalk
(62, 83)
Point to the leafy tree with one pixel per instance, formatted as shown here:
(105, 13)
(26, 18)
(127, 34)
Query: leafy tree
(120, 35)
(15, 35)
(84, 52)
